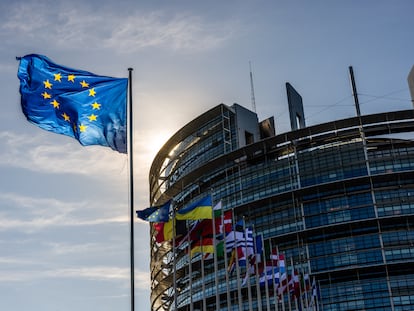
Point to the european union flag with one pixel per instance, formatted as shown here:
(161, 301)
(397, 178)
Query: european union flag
(76, 103)
(145, 213)
(156, 213)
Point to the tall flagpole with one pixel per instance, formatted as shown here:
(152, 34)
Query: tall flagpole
(256, 269)
(174, 225)
(131, 188)
(190, 272)
(239, 292)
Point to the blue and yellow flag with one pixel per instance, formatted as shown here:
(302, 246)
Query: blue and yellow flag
(202, 209)
(76, 103)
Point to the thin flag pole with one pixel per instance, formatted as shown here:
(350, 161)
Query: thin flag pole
(247, 276)
(190, 272)
(131, 188)
(275, 286)
(203, 285)
(239, 292)
(259, 292)
(216, 276)
(287, 284)
(174, 225)
(256, 268)
(226, 266)
(281, 277)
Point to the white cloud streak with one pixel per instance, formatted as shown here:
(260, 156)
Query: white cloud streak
(31, 153)
(70, 27)
(96, 273)
(182, 32)
(46, 213)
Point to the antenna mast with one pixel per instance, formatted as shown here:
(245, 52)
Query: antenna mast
(354, 91)
(252, 88)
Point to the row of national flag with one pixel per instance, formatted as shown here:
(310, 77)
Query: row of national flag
(169, 223)
(201, 209)
(214, 231)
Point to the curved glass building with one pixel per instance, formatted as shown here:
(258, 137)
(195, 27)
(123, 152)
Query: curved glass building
(337, 199)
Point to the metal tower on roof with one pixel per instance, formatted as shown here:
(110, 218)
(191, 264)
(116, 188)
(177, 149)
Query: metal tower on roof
(252, 88)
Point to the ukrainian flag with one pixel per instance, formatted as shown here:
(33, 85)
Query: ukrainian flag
(202, 209)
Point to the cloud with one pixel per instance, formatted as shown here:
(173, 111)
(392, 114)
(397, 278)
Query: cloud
(94, 248)
(45, 153)
(49, 153)
(179, 32)
(88, 27)
(90, 273)
(36, 224)
(17, 269)
(29, 214)
(95, 273)
(33, 154)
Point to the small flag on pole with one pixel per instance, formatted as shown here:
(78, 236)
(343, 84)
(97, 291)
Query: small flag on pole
(202, 209)
(156, 213)
(165, 230)
(76, 103)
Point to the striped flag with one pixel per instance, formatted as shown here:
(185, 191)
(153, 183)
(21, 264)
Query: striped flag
(236, 239)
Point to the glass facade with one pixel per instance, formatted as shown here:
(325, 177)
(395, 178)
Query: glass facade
(337, 198)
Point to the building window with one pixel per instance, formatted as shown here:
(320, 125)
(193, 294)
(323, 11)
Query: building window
(248, 137)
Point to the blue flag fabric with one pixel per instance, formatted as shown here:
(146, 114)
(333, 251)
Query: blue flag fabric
(156, 213)
(76, 103)
(145, 213)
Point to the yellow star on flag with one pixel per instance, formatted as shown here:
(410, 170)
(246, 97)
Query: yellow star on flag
(66, 117)
(84, 83)
(58, 77)
(46, 95)
(92, 117)
(95, 105)
(47, 84)
(71, 78)
(82, 128)
(92, 92)
(55, 104)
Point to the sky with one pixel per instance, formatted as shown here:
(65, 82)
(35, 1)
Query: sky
(64, 208)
